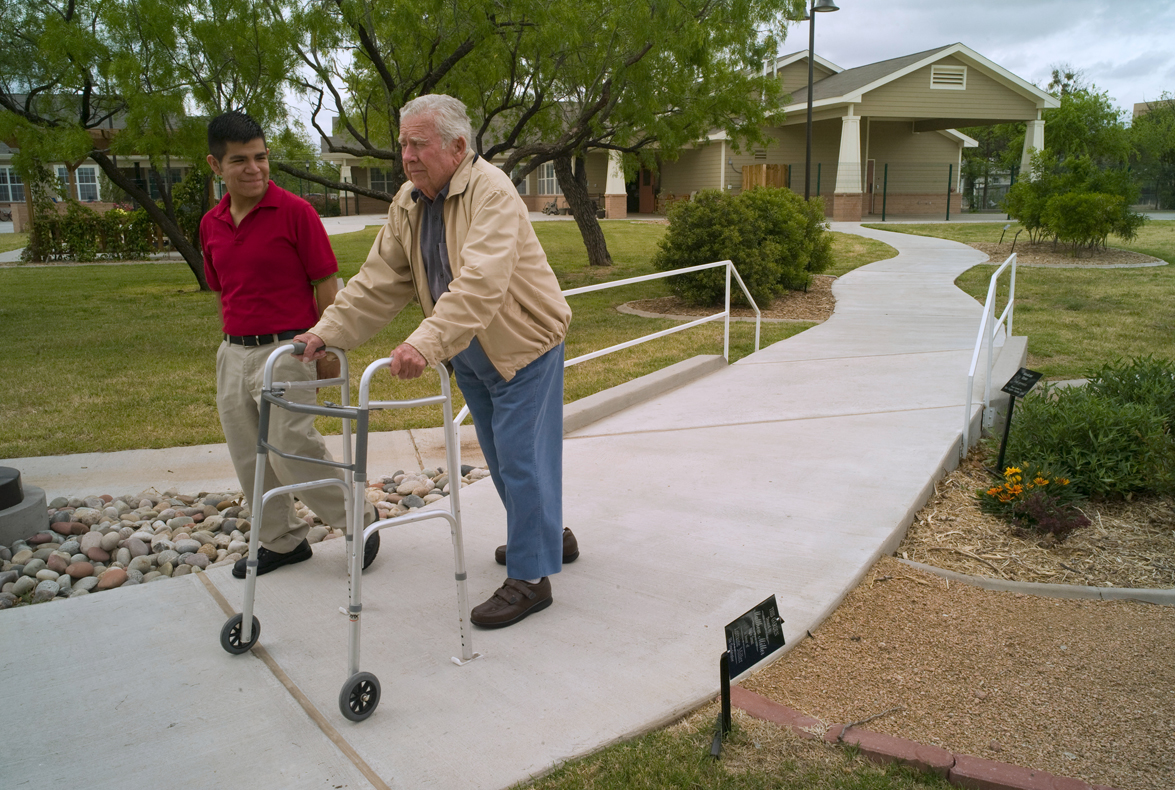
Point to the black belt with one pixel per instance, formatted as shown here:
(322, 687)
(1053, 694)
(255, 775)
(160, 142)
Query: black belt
(262, 340)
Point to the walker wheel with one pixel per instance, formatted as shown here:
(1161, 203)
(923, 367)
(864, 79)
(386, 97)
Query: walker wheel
(360, 696)
(230, 635)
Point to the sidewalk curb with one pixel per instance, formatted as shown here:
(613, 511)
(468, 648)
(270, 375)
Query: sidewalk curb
(961, 770)
(1156, 596)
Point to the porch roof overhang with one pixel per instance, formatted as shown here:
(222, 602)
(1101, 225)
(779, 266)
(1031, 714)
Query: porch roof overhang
(835, 95)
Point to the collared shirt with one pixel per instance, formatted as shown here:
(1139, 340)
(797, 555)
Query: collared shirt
(264, 267)
(432, 241)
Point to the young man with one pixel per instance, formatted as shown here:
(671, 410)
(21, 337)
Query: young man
(267, 256)
(459, 240)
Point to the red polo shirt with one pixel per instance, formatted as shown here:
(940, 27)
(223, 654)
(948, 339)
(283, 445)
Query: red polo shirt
(263, 269)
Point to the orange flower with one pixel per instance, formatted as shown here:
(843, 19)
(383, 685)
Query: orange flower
(1041, 481)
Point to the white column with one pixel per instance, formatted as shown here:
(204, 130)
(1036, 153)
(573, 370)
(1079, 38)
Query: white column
(345, 174)
(615, 195)
(848, 168)
(1033, 139)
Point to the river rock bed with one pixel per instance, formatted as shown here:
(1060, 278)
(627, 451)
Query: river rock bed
(101, 542)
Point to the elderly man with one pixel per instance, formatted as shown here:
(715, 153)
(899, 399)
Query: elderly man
(458, 239)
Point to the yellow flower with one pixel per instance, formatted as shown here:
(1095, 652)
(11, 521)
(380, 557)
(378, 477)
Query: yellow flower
(1064, 481)
(1041, 481)
(1011, 470)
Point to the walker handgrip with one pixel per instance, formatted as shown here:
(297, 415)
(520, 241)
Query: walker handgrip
(299, 349)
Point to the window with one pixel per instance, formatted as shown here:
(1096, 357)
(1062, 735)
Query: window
(11, 187)
(521, 184)
(548, 184)
(63, 177)
(948, 77)
(87, 178)
(381, 179)
(153, 178)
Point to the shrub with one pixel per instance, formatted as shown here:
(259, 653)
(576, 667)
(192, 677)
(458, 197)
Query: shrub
(1112, 438)
(774, 238)
(1082, 219)
(1035, 501)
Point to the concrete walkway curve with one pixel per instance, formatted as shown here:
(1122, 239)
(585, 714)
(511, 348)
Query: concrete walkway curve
(787, 473)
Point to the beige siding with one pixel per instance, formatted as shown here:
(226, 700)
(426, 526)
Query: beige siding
(597, 172)
(695, 169)
(918, 162)
(912, 97)
(794, 76)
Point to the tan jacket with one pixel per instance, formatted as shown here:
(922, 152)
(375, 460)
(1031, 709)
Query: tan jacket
(503, 290)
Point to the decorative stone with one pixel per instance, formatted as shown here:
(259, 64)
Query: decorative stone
(47, 575)
(203, 536)
(412, 501)
(136, 547)
(166, 568)
(80, 570)
(23, 586)
(195, 559)
(59, 502)
(123, 557)
(208, 550)
(133, 576)
(71, 546)
(110, 541)
(141, 564)
(178, 521)
(152, 576)
(315, 535)
(46, 591)
(187, 546)
(167, 555)
(87, 584)
(97, 554)
(21, 557)
(33, 566)
(113, 577)
(39, 538)
(7, 577)
(182, 570)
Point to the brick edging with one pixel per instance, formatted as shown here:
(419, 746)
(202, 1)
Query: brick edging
(974, 773)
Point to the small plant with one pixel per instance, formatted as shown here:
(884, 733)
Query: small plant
(1035, 502)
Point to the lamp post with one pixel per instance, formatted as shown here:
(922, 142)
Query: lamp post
(817, 5)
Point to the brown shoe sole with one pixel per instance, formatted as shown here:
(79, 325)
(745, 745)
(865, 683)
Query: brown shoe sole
(538, 607)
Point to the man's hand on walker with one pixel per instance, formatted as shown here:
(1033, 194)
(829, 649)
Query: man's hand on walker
(407, 362)
(315, 346)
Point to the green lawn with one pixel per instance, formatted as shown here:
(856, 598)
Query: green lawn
(13, 241)
(107, 358)
(1079, 319)
(756, 756)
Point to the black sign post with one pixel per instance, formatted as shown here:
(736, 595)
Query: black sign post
(1017, 387)
(749, 639)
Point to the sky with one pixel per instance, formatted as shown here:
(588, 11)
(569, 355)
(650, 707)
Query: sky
(1125, 49)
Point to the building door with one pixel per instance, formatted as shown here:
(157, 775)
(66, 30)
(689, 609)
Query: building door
(870, 169)
(647, 204)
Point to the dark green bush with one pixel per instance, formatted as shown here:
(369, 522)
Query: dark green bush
(1074, 201)
(1111, 438)
(775, 240)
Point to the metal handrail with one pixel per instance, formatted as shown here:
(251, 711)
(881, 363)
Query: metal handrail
(725, 314)
(988, 327)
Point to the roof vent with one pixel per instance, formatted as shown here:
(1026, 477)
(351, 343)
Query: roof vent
(948, 77)
(760, 154)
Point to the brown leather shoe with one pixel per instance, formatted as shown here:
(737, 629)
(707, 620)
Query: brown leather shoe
(570, 549)
(511, 602)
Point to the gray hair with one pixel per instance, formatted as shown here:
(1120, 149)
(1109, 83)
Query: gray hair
(449, 116)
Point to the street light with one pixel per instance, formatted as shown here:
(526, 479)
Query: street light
(817, 5)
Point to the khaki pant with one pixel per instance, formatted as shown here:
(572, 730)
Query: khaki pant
(239, 372)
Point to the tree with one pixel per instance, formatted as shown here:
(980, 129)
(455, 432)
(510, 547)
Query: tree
(1087, 124)
(100, 80)
(1153, 137)
(998, 150)
(545, 81)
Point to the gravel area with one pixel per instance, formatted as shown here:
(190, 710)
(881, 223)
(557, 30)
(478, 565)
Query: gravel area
(814, 305)
(1043, 254)
(1083, 689)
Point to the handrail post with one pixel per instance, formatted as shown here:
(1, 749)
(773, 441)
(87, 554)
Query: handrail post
(726, 332)
(1012, 296)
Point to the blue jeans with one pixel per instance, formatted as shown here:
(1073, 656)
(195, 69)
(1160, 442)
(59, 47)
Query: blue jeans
(519, 425)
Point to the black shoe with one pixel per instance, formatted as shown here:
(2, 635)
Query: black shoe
(370, 549)
(272, 560)
(570, 549)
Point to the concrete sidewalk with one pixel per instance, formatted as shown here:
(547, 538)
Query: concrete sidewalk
(788, 472)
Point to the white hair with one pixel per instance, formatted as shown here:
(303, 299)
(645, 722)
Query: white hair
(449, 116)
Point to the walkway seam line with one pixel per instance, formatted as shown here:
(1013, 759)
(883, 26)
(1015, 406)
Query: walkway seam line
(762, 422)
(315, 715)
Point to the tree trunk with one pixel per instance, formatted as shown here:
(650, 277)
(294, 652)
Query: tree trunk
(166, 221)
(584, 209)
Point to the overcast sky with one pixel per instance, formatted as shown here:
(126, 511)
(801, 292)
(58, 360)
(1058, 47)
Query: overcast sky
(1126, 49)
